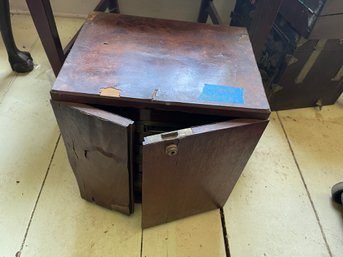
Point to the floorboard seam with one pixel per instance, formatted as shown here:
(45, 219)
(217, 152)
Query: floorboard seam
(304, 183)
(38, 197)
(141, 255)
(8, 89)
(225, 235)
(16, 74)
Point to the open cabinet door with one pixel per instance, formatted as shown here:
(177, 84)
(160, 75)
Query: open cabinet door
(193, 170)
(98, 145)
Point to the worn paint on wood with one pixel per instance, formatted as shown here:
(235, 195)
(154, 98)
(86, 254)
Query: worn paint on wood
(98, 146)
(161, 64)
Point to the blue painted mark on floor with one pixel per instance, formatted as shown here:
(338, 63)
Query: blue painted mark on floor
(222, 94)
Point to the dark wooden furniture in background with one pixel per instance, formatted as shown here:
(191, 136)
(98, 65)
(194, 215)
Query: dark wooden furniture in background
(337, 193)
(258, 18)
(169, 118)
(44, 21)
(301, 57)
(208, 9)
(45, 24)
(20, 61)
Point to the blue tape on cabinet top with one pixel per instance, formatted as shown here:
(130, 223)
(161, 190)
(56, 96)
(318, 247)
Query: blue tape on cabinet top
(222, 94)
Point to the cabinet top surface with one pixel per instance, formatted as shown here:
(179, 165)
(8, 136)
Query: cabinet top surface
(151, 62)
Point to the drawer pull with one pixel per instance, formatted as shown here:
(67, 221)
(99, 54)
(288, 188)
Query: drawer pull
(173, 135)
(170, 135)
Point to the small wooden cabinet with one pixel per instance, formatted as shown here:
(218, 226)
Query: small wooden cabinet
(162, 112)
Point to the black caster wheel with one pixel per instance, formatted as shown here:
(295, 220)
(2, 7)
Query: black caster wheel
(337, 192)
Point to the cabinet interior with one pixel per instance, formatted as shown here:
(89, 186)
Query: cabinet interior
(149, 122)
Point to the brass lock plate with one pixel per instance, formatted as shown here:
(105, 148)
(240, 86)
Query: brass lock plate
(177, 134)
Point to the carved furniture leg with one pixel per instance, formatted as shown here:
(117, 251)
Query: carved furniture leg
(208, 9)
(20, 61)
(113, 6)
(44, 21)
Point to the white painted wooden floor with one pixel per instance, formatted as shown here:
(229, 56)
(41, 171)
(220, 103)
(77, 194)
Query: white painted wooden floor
(280, 207)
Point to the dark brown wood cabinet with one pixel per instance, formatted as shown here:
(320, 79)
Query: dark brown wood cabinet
(298, 48)
(162, 112)
(314, 19)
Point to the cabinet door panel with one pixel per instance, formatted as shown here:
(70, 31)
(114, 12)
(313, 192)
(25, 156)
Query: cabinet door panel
(194, 170)
(98, 145)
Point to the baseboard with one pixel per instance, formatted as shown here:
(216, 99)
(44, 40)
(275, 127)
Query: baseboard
(56, 14)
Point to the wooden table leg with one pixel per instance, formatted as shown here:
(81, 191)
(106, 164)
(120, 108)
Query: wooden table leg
(208, 9)
(113, 6)
(20, 61)
(44, 21)
(203, 11)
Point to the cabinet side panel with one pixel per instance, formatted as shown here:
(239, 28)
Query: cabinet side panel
(201, 175)
(328, 27)
(98, 153)
(320, 84)
(332, 7)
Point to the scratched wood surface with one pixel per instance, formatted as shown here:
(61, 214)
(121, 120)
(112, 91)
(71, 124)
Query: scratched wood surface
(99, 150)
(268, 214)
(204, 170)
(120, 59)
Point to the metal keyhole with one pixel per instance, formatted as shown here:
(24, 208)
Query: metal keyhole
(171, 150)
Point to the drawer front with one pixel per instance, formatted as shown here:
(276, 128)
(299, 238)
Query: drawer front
(194, 170)
(332, 7)
(313, 5)
(302, 16)
(98, 145)
(328, 27)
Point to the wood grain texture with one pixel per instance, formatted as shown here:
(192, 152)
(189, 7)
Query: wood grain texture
(197, 236)
(201, 175)
(161, 64)
(71, 227)
(269, 212)
(318, 150)
(98, 147)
